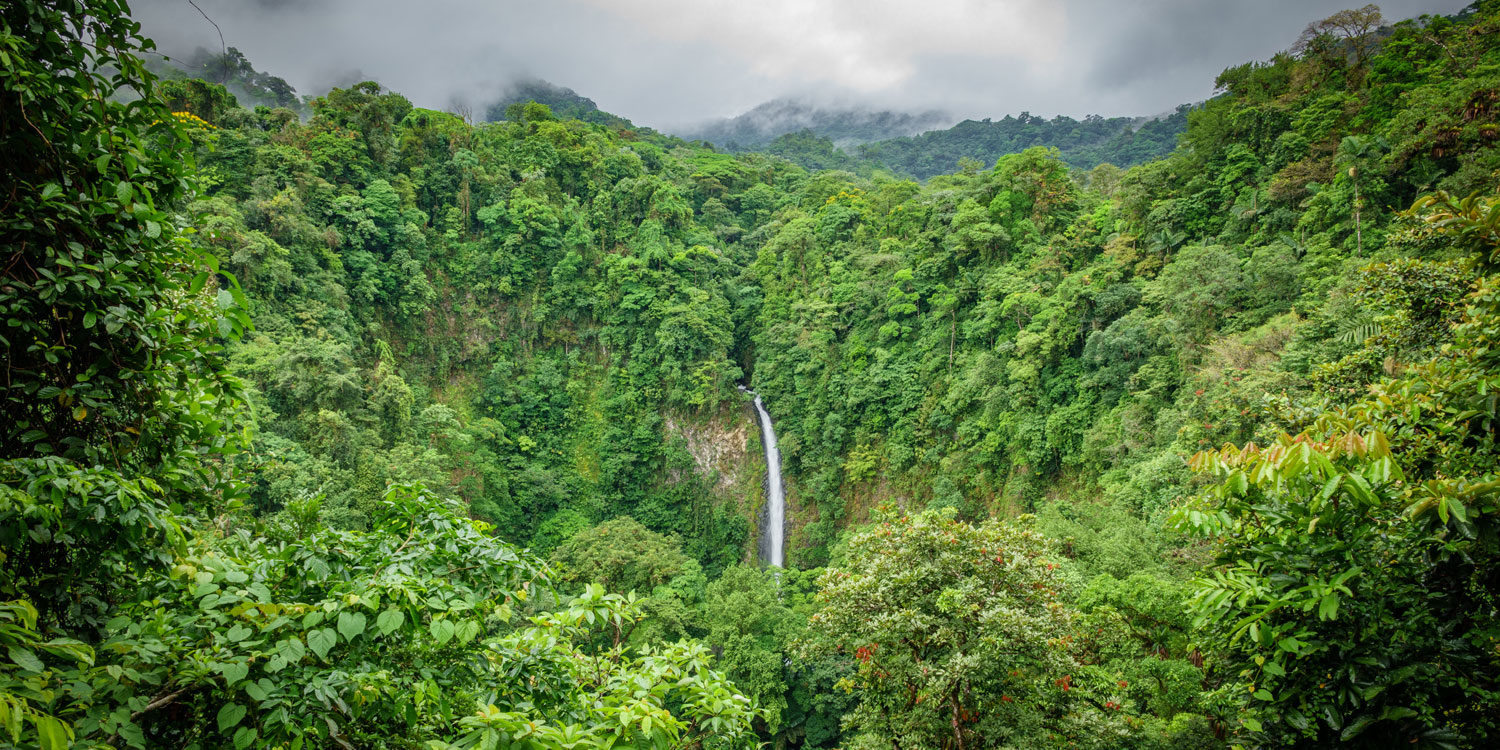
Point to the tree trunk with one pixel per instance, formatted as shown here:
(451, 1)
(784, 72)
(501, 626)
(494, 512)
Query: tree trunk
(1359, 238)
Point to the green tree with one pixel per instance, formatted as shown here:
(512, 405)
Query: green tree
(748, 627)
(955, 629)
(118, 404)
(1352, 599)
(1355, 154)
(1345, 35)
(620, 554)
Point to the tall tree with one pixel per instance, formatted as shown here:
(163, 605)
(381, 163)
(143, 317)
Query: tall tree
(1345, 35)
(116, 385)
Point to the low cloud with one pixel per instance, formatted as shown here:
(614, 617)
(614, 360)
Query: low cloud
(670, 62)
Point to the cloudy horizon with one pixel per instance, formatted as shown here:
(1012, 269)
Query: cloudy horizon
(674, 63)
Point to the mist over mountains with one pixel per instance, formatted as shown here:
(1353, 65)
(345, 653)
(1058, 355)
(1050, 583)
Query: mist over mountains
(844, 125)
(563, 101)
(844, 136)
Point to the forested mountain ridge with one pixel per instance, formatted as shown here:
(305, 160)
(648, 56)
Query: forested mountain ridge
(825, 142)
(564, 102)
(374, 354)
(232, 70)
(1085, 144)
(815, 138)
(844, 127)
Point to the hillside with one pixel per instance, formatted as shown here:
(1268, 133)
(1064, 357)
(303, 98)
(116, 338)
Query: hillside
(845, 127)
(379, 427)
(1085, 144)
(564, 102)
(903, 145)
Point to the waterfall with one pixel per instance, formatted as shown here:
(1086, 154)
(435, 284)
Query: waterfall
(773, 533)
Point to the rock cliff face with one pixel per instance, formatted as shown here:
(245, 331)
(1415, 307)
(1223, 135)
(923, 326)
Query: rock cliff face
(727, 454)
(719, 444)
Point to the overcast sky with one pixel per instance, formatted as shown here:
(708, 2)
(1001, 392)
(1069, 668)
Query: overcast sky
(670, 62)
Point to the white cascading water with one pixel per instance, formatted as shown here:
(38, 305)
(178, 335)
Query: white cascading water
(773, 539)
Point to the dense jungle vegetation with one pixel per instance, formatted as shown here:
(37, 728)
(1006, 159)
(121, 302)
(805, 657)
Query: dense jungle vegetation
(1082, 144)
(338, 422)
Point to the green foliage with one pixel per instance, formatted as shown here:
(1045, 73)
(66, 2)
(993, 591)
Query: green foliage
(622, 555)
(119, 404)
(955, 632)
(1351, 597)
(234, 73)
(558, 100)
(25, 694)
(294, 634)
(1085, 144)
(749, 626)
(284, 630)
(542, 320)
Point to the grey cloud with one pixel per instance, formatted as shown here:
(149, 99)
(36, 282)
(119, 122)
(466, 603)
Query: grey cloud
(1151, 51)
(671, 62)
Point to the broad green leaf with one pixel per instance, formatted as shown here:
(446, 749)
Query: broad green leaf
(244, 737)
(1296, 719)
(1330, 487)
(442, 630)
(1456, 507)
(132, 735)
(389, 620)
(1360, 724)
(1328, 607)
(230, 715)
(52, 734)
(255, 691)
(1359, 489)
(1332, 717)
(322, 641)
(351, 624)
(1238, 483)
(234, 671)
(26, 659)
(466, 631)
(292, 649)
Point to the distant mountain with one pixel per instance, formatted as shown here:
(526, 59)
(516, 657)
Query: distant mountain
(845, 127)
(564, 102)
(1086, 143)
